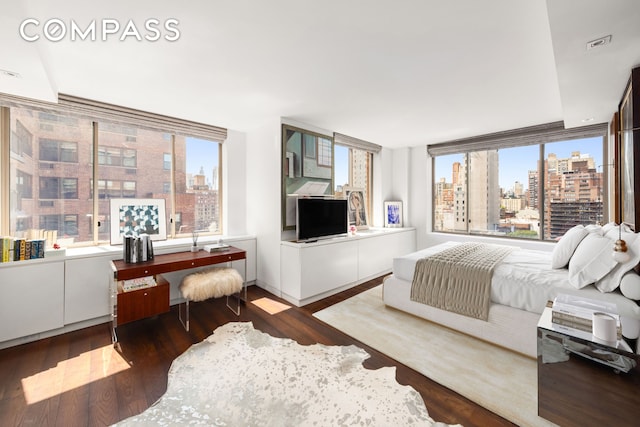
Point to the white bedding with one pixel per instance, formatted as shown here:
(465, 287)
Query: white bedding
(523, 280)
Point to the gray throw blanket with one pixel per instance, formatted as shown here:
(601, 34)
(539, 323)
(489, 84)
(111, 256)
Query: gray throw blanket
(458, 279)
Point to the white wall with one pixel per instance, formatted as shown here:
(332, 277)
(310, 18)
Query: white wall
(420, 195)
(382, 184)
(234, 184)
(263, 201)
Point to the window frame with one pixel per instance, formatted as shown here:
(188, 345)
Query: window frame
(70, 110)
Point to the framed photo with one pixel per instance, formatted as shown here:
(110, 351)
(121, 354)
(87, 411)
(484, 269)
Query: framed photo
(393, 214)
(356, 207)
(137, 216)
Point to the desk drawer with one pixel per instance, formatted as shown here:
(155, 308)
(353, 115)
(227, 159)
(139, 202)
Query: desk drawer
(141, 303)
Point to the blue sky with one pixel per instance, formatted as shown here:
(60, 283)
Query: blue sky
(341, 170)
(515, 163)
(201, 153)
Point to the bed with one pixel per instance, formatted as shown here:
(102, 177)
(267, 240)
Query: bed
(524, 281)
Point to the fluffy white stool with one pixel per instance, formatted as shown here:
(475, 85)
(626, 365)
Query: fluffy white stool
(212, 282)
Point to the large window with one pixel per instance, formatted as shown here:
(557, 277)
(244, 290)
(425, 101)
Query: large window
(535, 191)
(197, 185)
(55, 155)
(353, 169)
(317, 165)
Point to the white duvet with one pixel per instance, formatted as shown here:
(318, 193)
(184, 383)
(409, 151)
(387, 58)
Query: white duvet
(523, 280)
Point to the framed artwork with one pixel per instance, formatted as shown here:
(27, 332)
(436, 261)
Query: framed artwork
(356, 208)
(393, 214)
(137, 216)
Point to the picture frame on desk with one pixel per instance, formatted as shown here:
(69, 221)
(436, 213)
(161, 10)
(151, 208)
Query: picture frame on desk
(137, 216)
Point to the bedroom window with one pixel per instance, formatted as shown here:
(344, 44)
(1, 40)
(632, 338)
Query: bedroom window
(532, 191)
(197, 180)
(56, 156)
(353, 170)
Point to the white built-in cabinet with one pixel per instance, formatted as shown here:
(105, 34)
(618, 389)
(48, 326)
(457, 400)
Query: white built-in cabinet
(32, 298)
(312, 271)
(49, 296)
(87, 293)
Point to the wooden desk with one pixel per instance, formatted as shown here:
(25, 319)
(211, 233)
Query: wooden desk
(146, 302)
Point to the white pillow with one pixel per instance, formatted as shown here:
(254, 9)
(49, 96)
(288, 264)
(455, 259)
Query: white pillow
(630, 285)
(612, 280)
(567, 245)
(591, 261)
(594, 228)
(608, 226)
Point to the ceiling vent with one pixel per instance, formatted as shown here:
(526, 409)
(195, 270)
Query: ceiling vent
(602, 41)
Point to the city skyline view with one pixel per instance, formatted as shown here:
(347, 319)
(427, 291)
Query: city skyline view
(515, 163)
(503, 192)
(203, 154)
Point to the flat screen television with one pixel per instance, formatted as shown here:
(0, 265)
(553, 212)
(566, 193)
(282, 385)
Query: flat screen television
(320, 218)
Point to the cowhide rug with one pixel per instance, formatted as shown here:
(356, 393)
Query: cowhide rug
(243, 377)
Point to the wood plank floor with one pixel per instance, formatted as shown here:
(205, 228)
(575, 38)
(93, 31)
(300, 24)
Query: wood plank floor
(78, 379)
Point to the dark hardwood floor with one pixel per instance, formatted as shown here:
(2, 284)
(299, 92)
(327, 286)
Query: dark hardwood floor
(79, 379)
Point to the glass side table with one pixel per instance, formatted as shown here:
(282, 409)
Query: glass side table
(583, 382)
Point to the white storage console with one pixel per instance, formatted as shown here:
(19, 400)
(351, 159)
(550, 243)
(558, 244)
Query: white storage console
(53, 295)
(312, 271)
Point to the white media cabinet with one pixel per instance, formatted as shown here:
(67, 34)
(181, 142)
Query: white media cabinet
(312, 271)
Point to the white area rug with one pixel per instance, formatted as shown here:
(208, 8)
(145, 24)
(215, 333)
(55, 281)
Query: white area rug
(243, 377)
(500, 380)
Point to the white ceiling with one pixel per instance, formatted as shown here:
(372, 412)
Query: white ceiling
(397, 73)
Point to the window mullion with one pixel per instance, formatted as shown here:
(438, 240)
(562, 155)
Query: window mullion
(96, 194)
(5, 174)
(542, 199)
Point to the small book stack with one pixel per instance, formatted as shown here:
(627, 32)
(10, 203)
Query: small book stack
(20, 249)
(575, 314)
(138, 283)
(216, 247)
(137, 248)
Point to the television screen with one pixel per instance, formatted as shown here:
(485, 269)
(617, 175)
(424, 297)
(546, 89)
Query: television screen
(321, 218)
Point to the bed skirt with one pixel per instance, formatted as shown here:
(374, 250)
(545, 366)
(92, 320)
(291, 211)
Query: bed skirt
(498, 329)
